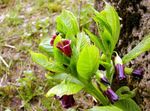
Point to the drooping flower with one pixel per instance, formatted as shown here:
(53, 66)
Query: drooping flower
(100, 76)
(53, 38)
(67, 101)
(112, 96)
(138, 73)
(105, 81)
(119, 67)
(65, 47)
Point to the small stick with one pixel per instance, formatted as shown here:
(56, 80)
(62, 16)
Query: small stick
(1, 58)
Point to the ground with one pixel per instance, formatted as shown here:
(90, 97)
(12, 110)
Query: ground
(23, 24)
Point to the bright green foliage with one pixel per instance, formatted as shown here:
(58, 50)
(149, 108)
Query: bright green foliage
(67, 23)
(105, 108)
(65, 88)
(87, 54)
(45, 47)
(88, 62)
(127, 105)
(44, 62)
(108, 27)
(82, 41)
(143, 46)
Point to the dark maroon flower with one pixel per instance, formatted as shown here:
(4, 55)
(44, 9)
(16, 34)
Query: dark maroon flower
(53, 38)
(67, 101)
(112, 96)
(138, 73)
(65, 47)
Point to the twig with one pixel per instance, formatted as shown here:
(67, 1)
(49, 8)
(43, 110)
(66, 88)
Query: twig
(1, 58)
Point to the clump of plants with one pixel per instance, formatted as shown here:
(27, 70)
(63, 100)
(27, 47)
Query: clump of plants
(85, 61)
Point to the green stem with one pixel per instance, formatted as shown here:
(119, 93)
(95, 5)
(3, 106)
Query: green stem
(96, 93)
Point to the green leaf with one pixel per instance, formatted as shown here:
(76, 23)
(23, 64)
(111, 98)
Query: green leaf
(127, 105)
(82, 41)
(95, 40)
(65, 76)
(88, 62)
(65, 88)
(45, 46)
(106, 108)
(108, 26)
(113, 20)
(143, 46)
(124, 92)
(67, 22)
(44, 62)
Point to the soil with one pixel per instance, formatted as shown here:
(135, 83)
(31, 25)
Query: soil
(135, 23)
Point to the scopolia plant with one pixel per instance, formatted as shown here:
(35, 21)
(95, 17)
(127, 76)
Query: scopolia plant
(75, 57)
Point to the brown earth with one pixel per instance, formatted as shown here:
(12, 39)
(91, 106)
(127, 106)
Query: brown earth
(135, 22)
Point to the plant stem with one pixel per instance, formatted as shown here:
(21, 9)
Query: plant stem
(95, 92)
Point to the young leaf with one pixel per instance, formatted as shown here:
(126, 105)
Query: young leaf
(44, 62)
(108, 25)
(45, 46)
(105, 108)
(65, 88)
(113, 20)
(88, 62)
(82, 41)
(127, 105)
(143, 46)
(67, 22)
(95, 40)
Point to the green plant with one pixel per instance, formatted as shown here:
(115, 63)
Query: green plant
(84, 61)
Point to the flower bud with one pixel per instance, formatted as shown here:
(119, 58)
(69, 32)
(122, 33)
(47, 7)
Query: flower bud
(138, 73)
(112, 96)
(65, 47)
(100, 76)
(105, 81)
(120, 75)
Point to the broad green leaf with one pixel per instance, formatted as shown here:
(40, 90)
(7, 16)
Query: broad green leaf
(88, 62)
(63, 76)
(124, 92)
(82, 41)
(143, 46)
(65, 88)
(67, 22)
(113, 20)
(40, 59)
(108, 25)
(44, 62)
(127, 105)
(45, 46)
(106, 108)
(95, 40)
